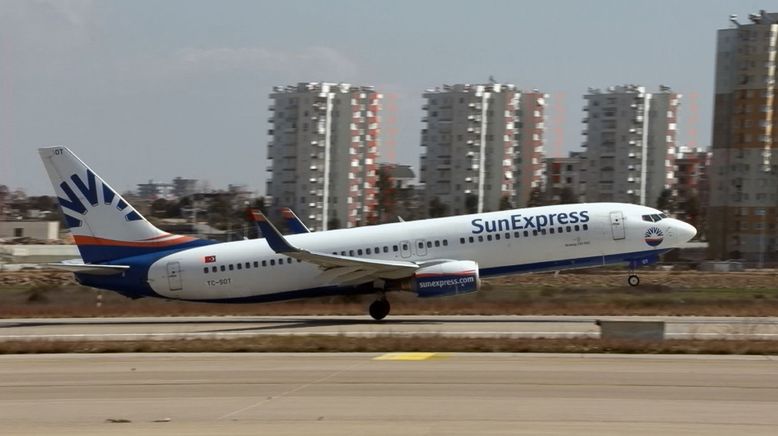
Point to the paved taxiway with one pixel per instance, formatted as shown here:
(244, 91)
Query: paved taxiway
(363, 326)
(375, 394)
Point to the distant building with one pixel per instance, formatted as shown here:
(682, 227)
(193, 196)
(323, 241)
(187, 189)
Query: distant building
(184, 187)
(155, 190)
(693, 185)
(483, 147)
(563, 179)
(400, 199)
(323, 150)
(744, 173)
(630, 143)
(39, 230)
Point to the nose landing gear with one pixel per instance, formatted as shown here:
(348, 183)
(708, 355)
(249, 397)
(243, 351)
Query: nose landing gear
(380, 308)
(633, 279)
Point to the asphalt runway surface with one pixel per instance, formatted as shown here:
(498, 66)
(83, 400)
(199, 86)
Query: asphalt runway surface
(387, 394)
(225, 327)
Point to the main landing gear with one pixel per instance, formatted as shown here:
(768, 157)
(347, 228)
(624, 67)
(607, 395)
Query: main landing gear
(633, 280)
(380, 308)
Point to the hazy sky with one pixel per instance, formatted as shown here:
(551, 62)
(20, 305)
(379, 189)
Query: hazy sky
(146, 90)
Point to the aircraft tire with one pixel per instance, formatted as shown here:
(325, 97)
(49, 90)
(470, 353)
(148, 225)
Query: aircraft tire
(379, 309)
(633, 280)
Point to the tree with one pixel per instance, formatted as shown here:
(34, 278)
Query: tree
(471, 203)
(535, 197)
(387, 196)
(505, 203)
(437, 208)
(567, 196)
(666, 202)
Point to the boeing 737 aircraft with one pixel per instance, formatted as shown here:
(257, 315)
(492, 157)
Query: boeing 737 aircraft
(122, 252)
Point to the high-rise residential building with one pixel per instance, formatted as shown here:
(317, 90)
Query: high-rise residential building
(323, 150)
(564, 182)
(473, 140)
(630, 143)
(744, 175)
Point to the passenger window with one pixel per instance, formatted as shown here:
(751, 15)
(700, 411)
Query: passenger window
(526, 233)
(497, 236)
(205, 270)
(377, 250)
(351, 252)
(264, 263)
(421, 245)
(239, 266)
(445, 242)
(248, 265)
(386, 249)
(488, 237)
(568, 229)
(480, 238)
(551, 230)
(461, 240)
(577, 227)
(342, 253)
(256, 264)
(518, 234)
(214, 269)
(507, 236)
(543, 231)
(394, 248)
(359, 252)
(586, 226)
(272, 262)
(405, 247)
(288, 260)
(429, 244)
(437, 243)
(232, 267)
(223, 268)
(367, 251)
(471, 239)
(534, 233)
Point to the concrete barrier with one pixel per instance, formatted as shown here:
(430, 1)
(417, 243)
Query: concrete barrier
(632, 330)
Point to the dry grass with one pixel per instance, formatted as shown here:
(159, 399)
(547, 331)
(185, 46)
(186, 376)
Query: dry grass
(394, 344)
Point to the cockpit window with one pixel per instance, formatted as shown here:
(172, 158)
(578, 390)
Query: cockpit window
(661, 215)
(648, 218)
(656, 217)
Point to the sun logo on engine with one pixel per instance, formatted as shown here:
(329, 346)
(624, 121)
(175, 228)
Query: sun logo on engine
(654, 236)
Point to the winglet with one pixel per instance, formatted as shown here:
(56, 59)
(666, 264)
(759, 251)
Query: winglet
(294, 223)
(273, 237)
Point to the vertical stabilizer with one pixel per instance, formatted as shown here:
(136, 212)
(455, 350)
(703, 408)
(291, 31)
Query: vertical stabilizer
(104, 226)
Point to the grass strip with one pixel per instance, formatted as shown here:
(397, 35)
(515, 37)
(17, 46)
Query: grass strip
(383, 344)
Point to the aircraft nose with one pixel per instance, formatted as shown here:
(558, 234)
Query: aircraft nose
(684, 231)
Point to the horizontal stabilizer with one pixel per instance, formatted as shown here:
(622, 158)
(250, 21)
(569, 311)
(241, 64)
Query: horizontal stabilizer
(86, 268)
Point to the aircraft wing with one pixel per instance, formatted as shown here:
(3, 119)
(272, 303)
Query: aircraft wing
(340, 269)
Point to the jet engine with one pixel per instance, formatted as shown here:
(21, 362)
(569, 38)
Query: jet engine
(452, 277)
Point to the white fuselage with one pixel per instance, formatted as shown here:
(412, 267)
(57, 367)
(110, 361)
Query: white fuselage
(502, 243)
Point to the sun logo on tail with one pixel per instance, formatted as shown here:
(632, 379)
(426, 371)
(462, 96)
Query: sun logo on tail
(90, 191)
(654, 236)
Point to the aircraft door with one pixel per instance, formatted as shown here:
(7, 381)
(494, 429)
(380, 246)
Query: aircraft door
(174, 276)
(421, 248)
(617, 225)
(405, 249)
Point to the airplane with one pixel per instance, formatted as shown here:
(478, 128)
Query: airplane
(121, 251)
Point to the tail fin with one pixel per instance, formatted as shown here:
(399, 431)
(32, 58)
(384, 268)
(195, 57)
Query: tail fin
(104, 226)
(293, 222)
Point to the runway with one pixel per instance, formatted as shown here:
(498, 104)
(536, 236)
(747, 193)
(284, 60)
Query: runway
(409, 394)
(225, 327)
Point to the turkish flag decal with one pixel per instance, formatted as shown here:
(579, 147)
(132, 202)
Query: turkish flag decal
(210, 259)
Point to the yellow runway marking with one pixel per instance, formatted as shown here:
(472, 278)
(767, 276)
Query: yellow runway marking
(407, 356)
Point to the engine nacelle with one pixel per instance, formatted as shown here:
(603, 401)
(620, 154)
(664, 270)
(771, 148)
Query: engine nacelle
(448, 278)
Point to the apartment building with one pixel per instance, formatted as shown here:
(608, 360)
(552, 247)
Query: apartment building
(630, 143)
(483, 147)
(742, 214)
(323, 153)
(564, 182)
